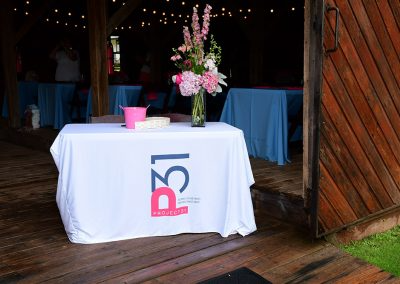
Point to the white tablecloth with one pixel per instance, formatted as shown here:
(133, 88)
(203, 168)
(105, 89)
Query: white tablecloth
(200, 176)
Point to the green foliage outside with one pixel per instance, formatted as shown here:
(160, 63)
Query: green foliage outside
(382, 250)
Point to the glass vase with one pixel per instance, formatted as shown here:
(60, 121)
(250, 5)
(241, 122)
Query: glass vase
(199, 109)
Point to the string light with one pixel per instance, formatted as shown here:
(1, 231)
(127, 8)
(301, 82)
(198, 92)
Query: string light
(171, 16)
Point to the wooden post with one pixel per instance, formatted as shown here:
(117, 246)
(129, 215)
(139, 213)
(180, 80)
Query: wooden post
(8, 58)
(313, 57)
(97, 13)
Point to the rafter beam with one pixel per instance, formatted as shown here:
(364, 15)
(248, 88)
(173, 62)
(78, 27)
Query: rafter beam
(36, 15)
(118, 17)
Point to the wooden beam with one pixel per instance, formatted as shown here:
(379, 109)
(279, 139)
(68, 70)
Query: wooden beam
(97, 13)
(36, 15)
(119, 16)
(313, 57)
(8, 58)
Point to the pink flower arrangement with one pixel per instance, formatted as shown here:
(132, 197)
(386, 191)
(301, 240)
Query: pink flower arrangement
(198, 69)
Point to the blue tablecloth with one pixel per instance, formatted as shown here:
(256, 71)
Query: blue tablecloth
(27, 95)
(262, 114)
(118, 95)
(54, 102)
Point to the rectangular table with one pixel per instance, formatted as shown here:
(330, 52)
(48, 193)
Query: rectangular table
(54, 101)
(27, 95)
(262, 114)
(116, 183)
(123, 95)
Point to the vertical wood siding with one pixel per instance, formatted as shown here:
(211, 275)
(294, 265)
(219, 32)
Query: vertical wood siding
(360, 131)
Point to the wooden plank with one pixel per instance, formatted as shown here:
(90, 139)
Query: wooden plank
(334, 183)
(359, 99)
(8, 58)
(361, 182)
(335, 198)
(257, 256)
(350, 119)
(119, 16)
(329, 218)
(98, 52)
(390, 22)
(359, 55)
(376, 50)
(35, 248)
(378, 25)
(395, 5)
(377, 98)
(360, 155)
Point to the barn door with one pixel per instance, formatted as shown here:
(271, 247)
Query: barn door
(359, 154)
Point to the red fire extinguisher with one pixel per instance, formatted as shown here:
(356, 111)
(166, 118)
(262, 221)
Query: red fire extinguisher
(19, 62)
(110, 59)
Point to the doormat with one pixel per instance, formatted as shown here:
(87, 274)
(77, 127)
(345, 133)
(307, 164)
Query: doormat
(241, 275)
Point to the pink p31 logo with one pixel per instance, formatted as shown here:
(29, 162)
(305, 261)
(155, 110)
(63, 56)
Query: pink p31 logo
(166, 191)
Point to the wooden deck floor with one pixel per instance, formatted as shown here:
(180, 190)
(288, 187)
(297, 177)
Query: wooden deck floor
(34, 247)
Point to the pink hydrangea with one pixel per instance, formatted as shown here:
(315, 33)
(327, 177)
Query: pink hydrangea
(191, 83)
(210, 82)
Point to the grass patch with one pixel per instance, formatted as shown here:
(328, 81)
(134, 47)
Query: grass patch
(382, 250)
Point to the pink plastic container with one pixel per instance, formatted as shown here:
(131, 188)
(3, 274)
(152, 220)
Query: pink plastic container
(133, 114)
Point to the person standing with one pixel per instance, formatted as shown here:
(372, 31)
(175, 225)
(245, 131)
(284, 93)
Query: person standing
(68, 62)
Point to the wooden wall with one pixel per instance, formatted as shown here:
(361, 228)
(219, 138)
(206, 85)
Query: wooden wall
(360, 131)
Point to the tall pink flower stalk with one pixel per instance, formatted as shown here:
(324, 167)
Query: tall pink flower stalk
(186, 37)
(196, 27)
(206, 22)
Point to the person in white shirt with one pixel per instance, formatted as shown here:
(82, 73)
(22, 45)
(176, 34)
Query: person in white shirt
(68, 62)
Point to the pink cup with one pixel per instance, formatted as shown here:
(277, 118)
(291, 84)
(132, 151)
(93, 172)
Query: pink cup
(133, 114)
